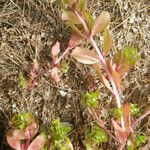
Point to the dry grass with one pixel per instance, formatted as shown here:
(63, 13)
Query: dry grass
(27, 30)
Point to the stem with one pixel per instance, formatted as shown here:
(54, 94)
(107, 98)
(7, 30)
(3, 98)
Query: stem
(100, 123)
(134, 124)
(115, 91)
(103, 62)
(63, 54)
(82, 22)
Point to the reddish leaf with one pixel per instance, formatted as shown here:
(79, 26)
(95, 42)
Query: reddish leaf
(107, 44)
(85, 56)
(38, 143)
(55, 74)
(55, 49)
(119, 132)
(115, 75)
(31, 130)
(75, 40)
(101, 23)
(126, 117)
(14, 143)
(101, 77)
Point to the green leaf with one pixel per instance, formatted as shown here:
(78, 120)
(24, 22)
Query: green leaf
(91, 99)
(88, 18)
(107, 44)
(101, 23)
(116, 112)
(134, 109)
(95, 136)
(141, 139)
(59, 130)
(21, 121)
(22, 83)
(81, 5)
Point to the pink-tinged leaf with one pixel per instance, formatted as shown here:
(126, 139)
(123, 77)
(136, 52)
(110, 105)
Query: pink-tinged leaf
(101, 77)
(55, 49)
(75, 40)
(84, 56)
(38, 143)
(126, 117)
(70, 16)
(14, 143)
(107, 43)
(101, 23)
(55, 74)
(31, 130)
(119, 132)
(115, 75)
(18, 134)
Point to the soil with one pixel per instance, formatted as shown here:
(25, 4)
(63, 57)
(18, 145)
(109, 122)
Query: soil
(28, 28)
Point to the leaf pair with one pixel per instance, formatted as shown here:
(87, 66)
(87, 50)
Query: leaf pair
(24, 128)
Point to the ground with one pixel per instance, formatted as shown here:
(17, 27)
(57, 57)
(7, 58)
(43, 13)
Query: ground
(27, 31)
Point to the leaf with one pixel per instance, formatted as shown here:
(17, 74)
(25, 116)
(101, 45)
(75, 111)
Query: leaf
(126, 118)
(91, 99)
(39, 142)
(84, 56)
(55, 74)
(101, 23)
(14, 143)
(88, 18)
(75, 40)
(74, 28)
(97, 67)
(70, 16)
(107, 44)
(55, 49)
(31, 130)
(81, 5)
(115, 75)
(125, 59)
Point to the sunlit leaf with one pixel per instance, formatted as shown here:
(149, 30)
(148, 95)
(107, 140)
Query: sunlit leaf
(101, 23)
(70, 16)
(125, 59)
(84, 56)
(75, 40)
(39, 142)
(55, 74)
(55, 49)
(97, 67)
(107, 44)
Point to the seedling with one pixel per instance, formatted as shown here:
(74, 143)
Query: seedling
(59, 136)
(76, 16)
(23, 129)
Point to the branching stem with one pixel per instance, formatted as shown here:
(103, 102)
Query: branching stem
(103, 62)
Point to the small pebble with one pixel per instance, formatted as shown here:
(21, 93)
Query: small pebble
(63, 93)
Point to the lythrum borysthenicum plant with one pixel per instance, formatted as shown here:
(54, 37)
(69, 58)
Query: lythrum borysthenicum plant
(79, 19)
(24, 134)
